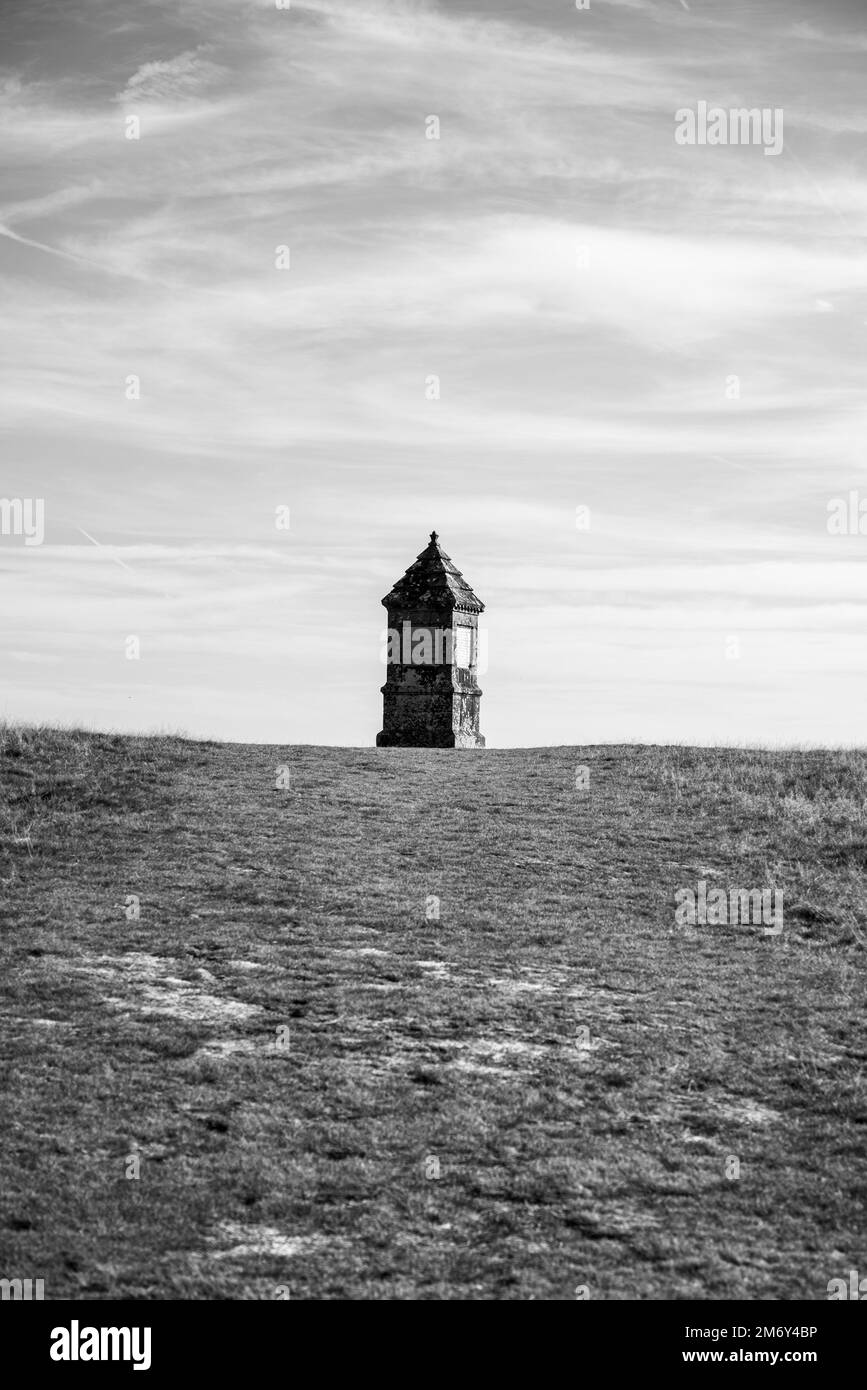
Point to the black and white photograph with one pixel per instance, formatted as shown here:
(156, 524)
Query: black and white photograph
(433, 668)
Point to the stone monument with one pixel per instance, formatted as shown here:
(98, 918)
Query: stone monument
(430, 697)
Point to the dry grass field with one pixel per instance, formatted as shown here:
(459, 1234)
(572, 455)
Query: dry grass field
(327, 1092)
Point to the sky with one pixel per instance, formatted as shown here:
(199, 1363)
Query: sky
(621, 376)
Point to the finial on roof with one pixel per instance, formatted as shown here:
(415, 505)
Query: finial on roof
(433, 536)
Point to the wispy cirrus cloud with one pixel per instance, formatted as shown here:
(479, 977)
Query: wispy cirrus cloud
(176, 79)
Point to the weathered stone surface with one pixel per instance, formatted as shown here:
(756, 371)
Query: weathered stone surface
(431, 696)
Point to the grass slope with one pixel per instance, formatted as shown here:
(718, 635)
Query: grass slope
(418, 1047)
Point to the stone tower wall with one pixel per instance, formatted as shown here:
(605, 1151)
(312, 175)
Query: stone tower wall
(431, 706)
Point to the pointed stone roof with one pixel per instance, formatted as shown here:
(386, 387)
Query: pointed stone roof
(433, 580)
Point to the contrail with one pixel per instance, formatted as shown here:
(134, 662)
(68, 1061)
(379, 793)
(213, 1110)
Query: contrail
(97, 543)
(40, 246)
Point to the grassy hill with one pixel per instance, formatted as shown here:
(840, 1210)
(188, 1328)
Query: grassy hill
(542, 1090)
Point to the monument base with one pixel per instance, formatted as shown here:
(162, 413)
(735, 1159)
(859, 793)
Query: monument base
(462, 740)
